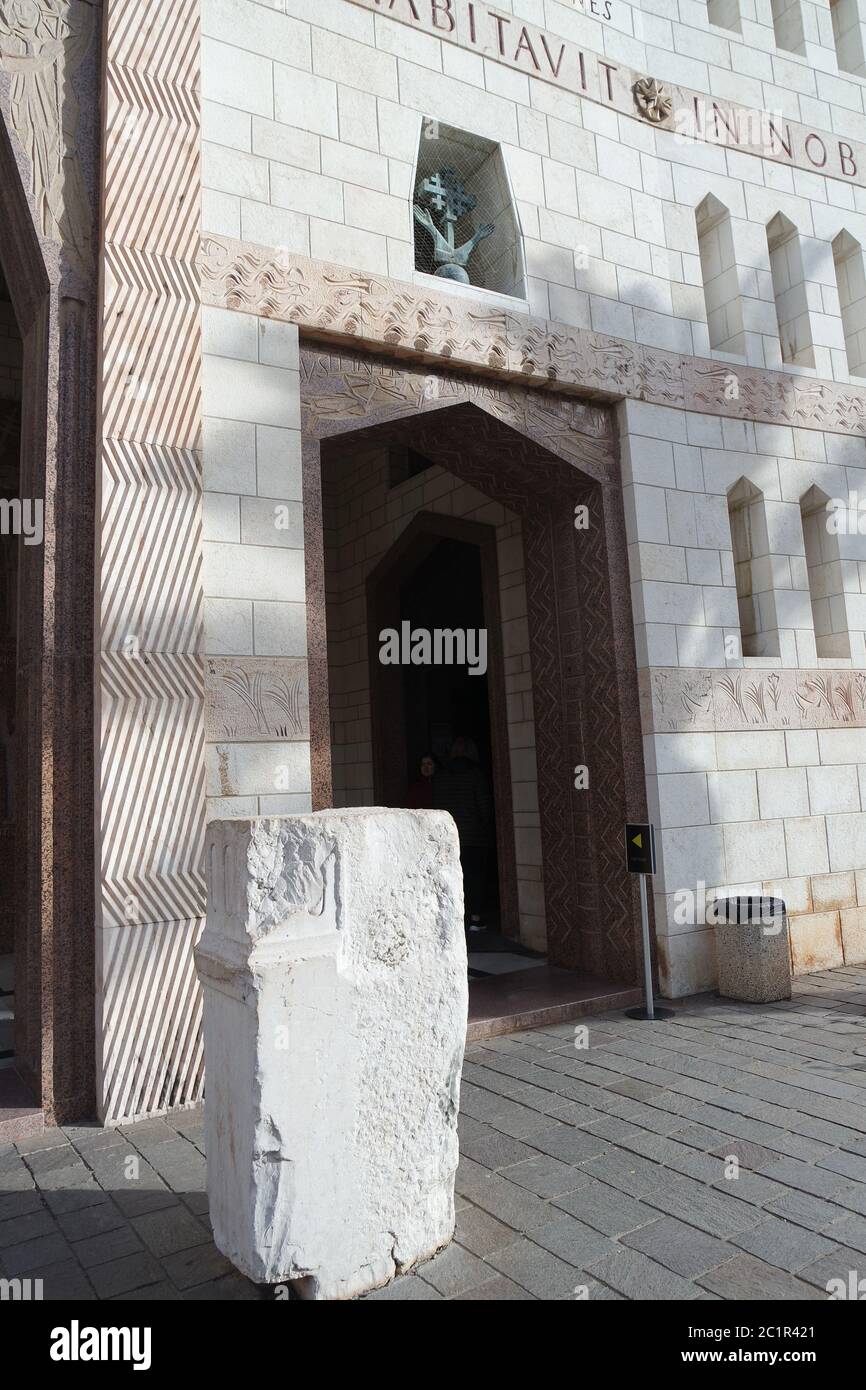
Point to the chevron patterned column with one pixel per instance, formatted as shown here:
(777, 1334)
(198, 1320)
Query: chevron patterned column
(150, 681)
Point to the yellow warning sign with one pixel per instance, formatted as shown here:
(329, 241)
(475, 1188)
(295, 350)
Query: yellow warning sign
(640, 849)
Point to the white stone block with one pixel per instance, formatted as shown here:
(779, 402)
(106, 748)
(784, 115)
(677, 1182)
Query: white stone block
(357, 65)
(220, 213)
(747, 749)
(755, 850)
(278, 346)
(833, 789)
(222, 125)
(329, 241)
(690, 854)
(228, 627)
(298, 190)
(229, 463)
(266, 521)
(782, 792)
(846, 840)
(733, 796)
(279, 462)
(684, 752)
(236, 79)
(271, 226)
(354, 165)
(806, 844)
(802, 748)
(683, 799)
(233, 171)
(377, 212)
(226, 333)
(287, 144)
(247, 391)
(261, 29)
(280, 628)
(253, 572)
(305, 100)
(334, 971)
(221, 517)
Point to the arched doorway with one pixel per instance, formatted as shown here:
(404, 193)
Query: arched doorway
(441, 576)
(539, 459)
(51, 1078)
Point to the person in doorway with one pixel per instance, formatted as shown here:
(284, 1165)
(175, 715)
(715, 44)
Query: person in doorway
(461, 789)
(420, 796)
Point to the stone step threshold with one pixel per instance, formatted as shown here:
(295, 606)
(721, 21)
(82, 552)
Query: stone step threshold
(538, 997)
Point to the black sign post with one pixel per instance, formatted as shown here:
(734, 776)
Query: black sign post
(640, 858)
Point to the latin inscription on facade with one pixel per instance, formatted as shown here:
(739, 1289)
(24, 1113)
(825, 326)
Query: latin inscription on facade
(539, 53)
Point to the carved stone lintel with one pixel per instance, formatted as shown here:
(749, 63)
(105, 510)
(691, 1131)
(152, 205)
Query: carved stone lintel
(339, 305)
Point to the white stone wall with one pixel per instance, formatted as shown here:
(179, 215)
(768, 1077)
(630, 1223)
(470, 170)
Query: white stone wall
(253, 561)
(311, 134)
(363, 519)
(312, 117)
(768, 807)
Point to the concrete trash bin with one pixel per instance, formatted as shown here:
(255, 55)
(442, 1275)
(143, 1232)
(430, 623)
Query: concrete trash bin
(752, 949)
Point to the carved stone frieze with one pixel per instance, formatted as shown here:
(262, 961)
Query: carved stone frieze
(340, 305)
(256, 698)
(675, 700)
(42, 44)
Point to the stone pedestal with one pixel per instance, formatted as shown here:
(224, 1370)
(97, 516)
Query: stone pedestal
(752, 949)
(334, 973)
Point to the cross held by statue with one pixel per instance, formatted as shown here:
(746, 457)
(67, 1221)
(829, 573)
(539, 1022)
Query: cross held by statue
(448, 195)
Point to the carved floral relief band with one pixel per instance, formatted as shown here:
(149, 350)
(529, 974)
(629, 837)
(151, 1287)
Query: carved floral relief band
(339, 305)
(679, 700)
(539, 53)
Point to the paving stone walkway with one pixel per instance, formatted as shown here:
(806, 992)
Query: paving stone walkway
(603, 1172)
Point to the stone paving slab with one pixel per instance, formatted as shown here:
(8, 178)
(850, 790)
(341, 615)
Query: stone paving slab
(602, 1173)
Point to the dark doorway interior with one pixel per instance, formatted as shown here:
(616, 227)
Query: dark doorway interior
(10, 449)
(445, 702)
(441, 576)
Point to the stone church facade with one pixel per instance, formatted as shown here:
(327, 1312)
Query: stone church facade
(222, 337)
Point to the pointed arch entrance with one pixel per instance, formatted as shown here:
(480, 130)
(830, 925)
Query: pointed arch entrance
(551, 461)
(427, 537)
(51, 1076)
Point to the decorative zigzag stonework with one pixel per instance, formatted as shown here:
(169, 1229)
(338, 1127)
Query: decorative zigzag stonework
(149, 977)
(151, 804)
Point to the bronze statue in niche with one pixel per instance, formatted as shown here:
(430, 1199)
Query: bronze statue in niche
(447, 198)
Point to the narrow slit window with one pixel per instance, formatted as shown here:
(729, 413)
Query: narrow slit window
(725, 14)
(788, 25)
(825, 570)
(720, 276)
(789, 292)
(752, 570)
(851, 283)
(848, 36)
